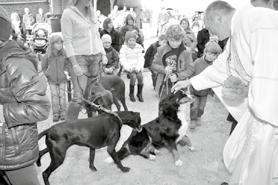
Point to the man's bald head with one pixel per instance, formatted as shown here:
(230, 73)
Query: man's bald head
(218, 17)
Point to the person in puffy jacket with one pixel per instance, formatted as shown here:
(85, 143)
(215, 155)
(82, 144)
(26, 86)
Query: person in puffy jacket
(132, 61)
(54, 68)
(23, 103)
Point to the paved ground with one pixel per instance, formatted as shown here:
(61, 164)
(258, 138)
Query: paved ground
(200, 167)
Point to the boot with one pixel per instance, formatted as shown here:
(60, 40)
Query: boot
(131, 93)
(56, 117)
(139, 92)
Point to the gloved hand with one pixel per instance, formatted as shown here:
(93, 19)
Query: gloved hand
(77, 70)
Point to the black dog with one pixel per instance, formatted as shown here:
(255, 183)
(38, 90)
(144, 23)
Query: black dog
(160, 132)
(95, 133)
(98, 95)
(116, 85)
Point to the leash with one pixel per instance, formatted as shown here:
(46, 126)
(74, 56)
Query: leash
(98, 107)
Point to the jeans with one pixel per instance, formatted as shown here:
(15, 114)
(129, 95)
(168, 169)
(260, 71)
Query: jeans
(58, 97)
(136, 75)
(197, 107)
(23, 176)
(90, 65)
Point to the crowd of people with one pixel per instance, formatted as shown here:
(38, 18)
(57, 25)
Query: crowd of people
(234, 52)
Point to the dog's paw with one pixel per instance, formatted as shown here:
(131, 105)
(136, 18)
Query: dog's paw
(152, 157)
(93, 168)
(125, 169)
(156, 152)
(192, 148)
(178, 163)
(108, 160)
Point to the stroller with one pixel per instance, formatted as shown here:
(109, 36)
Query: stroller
(40, 32)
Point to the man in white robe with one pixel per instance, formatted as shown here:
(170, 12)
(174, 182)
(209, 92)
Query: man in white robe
(251, 152)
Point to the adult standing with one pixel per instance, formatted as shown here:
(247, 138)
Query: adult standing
(189, 39)
(83, 48)
(24, 101)
(28, 20)
(108, 28)
(40, 17)
(251, 152)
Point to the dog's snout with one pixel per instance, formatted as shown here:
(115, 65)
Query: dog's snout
(139, 128)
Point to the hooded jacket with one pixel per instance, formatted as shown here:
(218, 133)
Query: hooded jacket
(24, 101)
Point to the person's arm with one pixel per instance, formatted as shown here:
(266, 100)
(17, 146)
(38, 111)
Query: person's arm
(67, 32)
(123, 59)
(188, 67)
(140, 65)
(115, 59)
(201, 39)
(44, 63)
(214, 75)
(29, 90)
(157, 64)
(149, 56)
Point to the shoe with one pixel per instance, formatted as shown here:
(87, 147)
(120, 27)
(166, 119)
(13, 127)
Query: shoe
(139, 93)
(192, 124)
(224, 183)
(131, 93)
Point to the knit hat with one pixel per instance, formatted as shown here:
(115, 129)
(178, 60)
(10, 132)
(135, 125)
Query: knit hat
(106, 38)
(213, 47)
(130, 35)
(5, 25)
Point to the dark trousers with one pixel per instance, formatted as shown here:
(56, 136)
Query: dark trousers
(197, 107)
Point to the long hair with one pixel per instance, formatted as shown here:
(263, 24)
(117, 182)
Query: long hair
(50, 52)
(89, 10)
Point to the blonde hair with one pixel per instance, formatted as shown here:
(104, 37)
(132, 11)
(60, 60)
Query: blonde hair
(50, 49)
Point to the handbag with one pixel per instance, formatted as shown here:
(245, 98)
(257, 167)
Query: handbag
(235, 89)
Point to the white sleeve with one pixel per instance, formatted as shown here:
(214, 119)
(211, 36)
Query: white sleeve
(214, 75)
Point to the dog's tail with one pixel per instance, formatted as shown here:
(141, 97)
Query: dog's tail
(43, 133)
(44, 151)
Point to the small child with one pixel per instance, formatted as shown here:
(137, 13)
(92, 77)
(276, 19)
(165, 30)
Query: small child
(150, 53)
(132, 61)
(112, 55)
(211, 52)
(53, 66)
(172, 61)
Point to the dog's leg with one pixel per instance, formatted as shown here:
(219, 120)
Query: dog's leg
(122, 99)
(91, 159)
(116, 102)
(57, 158)
(112, 152)
(42, 152)
(172, 147)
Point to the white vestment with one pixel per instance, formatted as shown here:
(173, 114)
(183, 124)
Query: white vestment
(251, 152)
